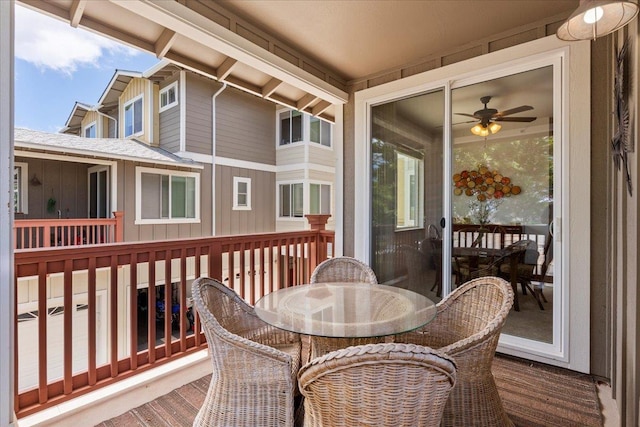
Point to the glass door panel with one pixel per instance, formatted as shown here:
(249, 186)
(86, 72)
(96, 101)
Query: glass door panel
(503, 191)
(407, 192)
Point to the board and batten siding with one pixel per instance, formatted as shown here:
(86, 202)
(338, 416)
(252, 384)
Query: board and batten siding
(261, 217)
(198, 117)
(145, 232)
(136, 87)
(169, 120)
(66, 182)
(245, 127)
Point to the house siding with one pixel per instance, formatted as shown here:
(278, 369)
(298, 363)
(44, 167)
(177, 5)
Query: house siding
(169, 121)
(198, 119)
(321, 156)
(135, 88)
(66, 182)
(127, 203)
(90, 117)
(261, 217)
(245, 127)
(291, 154)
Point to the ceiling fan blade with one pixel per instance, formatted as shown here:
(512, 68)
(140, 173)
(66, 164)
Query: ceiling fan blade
(468, 115)
(515, 119)
(510, 111)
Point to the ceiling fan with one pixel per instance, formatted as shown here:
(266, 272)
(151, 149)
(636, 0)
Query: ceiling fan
(489, 116)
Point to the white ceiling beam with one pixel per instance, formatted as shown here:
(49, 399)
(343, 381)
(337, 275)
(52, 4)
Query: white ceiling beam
(190, 24)
(225, 68)
(191, 64)
(76, 11)
(164, 42)
(271, 86)
(305, 101)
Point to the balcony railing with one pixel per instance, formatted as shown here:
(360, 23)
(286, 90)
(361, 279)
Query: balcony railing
(93, 315)
(44, 233)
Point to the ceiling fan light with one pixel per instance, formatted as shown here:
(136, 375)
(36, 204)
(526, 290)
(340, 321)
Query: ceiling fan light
(596, 18)
(494, 127)
(477, 129)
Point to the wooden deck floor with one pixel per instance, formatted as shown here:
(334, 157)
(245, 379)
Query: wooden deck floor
(567, 398)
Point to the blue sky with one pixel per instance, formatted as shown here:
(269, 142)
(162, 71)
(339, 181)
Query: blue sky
(57, 65)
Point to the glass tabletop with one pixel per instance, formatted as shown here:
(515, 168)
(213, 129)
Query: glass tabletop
(346, 310)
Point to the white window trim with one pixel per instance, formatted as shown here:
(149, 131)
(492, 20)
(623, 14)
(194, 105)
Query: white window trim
(237, 180)
(84, 129)
(124, 115)
(24, 187)
(140, 221)
(308, 198)
(173, 86)
(318, 144)
(305, 201)
(305, 129)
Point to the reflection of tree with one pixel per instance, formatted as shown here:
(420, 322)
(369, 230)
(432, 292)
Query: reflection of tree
(529, 164)
(383, 183)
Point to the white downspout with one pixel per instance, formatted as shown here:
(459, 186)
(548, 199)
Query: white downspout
(213, 157)
(100, 113)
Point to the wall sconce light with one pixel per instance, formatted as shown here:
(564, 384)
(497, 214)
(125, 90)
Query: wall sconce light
(35, 180)
(596, 18)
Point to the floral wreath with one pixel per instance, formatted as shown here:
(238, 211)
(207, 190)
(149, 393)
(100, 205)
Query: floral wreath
(484, 184)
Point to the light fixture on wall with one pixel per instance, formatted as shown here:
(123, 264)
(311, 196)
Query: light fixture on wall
(596, 18)
(485, 130)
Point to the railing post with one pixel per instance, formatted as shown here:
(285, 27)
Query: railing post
(119, 231)
(318, 223)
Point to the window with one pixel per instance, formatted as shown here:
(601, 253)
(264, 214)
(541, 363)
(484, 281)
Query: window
(291, 200)
(133, 117)
(169, 96)
(320, 131)
(319, 199)
(20, 173)
(90, 130)
(241, 193)
(408, 194)
(167, 196)
(290, 127)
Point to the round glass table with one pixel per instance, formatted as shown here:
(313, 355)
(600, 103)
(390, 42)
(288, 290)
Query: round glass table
(337, 315)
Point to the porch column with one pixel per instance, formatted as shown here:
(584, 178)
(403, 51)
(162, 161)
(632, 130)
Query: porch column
(7, 293)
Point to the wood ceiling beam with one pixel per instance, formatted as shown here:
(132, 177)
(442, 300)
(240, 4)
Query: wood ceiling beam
(225, 68)
(164, 42)
(271, 86)
(320, 107)
(76, 11)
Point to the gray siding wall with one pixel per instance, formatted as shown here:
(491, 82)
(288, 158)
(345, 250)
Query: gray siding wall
(66, 182)
(198, 113)
(245, 127)
(127, 203)
(170, 121)
(112, 126)
(261, 217)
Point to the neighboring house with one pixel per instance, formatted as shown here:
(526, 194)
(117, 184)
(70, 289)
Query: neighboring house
(230, 132)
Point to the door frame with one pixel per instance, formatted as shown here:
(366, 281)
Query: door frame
(574, 124)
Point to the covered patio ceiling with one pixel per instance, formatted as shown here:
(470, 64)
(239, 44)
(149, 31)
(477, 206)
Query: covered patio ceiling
(301, 54)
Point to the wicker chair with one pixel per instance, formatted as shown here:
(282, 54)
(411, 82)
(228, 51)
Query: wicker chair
(377, 385)
(254, 364)
(467, 327)
(343, 269)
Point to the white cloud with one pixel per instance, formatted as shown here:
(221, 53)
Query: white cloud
(50, 43)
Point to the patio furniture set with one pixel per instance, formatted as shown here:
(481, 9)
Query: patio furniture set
(413, 364)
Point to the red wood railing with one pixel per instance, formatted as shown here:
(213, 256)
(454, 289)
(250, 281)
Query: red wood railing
(118, 294)
(44, 233)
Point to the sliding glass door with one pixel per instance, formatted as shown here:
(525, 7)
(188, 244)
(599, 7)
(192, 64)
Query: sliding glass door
(464, 185)
(406, 185)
